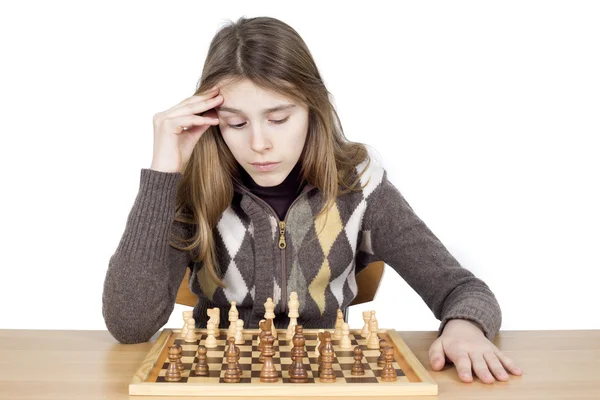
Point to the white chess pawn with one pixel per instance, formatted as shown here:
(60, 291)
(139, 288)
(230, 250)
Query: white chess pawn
(233, 316)
(190, 336)
(211, 341)
(337, 333)
(345, 342)
(270, 314)
(186, 315)
(373, 340)
(239, 331)
(293, 315)
(365, 330)
(318, 342)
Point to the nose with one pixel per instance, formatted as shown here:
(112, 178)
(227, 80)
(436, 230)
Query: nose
(259, 141)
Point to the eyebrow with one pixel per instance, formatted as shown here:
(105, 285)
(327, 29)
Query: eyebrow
(266, 111)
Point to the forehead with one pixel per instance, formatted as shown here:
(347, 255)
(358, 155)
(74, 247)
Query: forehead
(246, 97)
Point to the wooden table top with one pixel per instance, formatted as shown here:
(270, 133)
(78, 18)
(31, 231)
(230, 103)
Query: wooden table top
(51, 364)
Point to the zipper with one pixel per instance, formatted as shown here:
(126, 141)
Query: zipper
(282, 243)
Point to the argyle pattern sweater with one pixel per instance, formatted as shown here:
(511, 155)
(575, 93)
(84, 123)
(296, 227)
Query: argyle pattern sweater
(261, 257)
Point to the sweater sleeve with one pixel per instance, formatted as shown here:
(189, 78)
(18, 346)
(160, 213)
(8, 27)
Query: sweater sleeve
(403, 241)
(145, 272)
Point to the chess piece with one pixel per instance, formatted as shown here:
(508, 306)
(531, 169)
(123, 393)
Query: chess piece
(317, 353)
(186, 315)
(268, 373)
(381, 359)
(270, 314)
(345, 342)
(327, 375)
(339, 321)
(261, 344)
(293, 315)
(232, 373)
(211, 341)
(217, 317)
(388, 373)
(173, 373)
(233, 316)
(373, 340)
(179, 356)
(297, 369)
(365, 330)
(202, 364)
(213, 313)
(321, 346)
(357, 367)
(190, 336)
(239, 328)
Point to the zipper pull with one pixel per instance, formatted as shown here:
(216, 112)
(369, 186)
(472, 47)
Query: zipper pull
(282, 244)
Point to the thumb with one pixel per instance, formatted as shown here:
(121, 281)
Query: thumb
(437, 358)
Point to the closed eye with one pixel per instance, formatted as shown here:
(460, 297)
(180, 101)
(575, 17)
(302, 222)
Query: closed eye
(240, 126)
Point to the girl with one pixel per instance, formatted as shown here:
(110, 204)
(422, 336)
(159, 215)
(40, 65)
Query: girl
(254, 187)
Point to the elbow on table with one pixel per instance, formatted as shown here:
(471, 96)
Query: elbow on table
(131, 329)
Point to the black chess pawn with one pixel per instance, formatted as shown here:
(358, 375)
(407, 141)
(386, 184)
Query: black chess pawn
(381, 358)
(202, 364)
(232, 374)
(357, 367)
(388, 373)
(327, 375)
(173, 373)
(297, 369)
(179, 355)
(268, 373)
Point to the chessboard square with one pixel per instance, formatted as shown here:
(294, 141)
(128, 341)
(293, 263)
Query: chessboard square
(286, 361)
(246, 361)
(214, 353)
(361, 379)
(285, 354)
(345, 360)
(336, 366)
(187, 359)
(189, 353)
(162, 379)
(349, 353)
(368, 374)
(377, 372)
(203, 379)
(287, 381)
(371, 359)
(346, 367)
(245, 353)
(215, 360)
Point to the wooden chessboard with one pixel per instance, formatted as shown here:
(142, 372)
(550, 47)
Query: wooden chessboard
(413, 378)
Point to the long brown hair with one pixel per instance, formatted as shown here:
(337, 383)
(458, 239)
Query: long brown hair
(273, 56)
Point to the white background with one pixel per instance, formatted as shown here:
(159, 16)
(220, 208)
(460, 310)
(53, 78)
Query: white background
(487, 116)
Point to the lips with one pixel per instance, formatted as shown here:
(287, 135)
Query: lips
(264, 167)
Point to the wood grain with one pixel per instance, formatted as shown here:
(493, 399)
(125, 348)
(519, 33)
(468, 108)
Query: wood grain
(54, 364)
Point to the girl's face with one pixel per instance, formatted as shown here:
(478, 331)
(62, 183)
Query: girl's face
(260, 126)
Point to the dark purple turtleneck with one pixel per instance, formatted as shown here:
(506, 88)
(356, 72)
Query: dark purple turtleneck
(279, 197)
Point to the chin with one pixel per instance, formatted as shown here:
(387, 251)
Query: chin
(267, 180)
